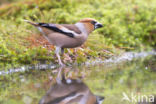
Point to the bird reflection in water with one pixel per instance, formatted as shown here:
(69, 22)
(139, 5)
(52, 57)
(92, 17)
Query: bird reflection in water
(69, 91)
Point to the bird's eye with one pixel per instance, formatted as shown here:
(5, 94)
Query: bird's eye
(93, 22)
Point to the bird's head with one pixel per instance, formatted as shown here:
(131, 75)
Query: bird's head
(89, 25)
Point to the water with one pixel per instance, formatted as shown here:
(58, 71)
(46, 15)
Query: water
(112, 79)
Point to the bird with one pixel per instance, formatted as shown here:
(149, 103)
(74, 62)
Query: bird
(67, 35)
(70, 91)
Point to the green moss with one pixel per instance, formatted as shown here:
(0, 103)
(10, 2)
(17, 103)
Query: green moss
(127, 25)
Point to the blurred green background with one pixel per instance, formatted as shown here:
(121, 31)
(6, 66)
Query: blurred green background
(128, 24)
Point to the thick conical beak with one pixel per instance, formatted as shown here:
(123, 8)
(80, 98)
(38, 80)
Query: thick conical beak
(98, 25)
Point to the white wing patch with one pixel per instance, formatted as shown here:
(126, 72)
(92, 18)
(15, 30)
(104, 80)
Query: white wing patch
(69, 31)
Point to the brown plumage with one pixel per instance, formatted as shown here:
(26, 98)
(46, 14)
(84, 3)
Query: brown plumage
(67, 35)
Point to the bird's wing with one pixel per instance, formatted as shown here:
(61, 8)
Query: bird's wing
(68, 30)
(62, 98)
(72, 28)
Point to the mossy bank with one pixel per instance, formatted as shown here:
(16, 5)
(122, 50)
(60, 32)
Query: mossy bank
(128, 25)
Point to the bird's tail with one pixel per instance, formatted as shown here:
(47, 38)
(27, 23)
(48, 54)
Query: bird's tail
(32, 23)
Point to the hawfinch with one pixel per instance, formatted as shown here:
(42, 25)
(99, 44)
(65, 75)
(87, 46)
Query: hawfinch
(67, 35)
(70, 91)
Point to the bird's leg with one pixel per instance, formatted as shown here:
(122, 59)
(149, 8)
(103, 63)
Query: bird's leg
(57, 51)
(58, 78)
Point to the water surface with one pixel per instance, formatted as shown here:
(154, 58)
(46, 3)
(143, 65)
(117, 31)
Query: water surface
(109, 79)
